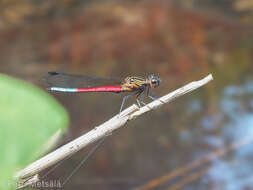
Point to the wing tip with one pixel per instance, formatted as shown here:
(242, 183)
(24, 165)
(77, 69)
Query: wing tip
(53, 73)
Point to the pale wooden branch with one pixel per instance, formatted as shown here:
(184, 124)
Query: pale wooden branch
(105, 129)
(27, 181)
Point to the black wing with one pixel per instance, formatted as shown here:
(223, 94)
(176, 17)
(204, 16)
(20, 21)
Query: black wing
(57, 79)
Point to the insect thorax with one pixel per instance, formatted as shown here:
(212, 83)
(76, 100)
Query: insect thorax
(133, 83)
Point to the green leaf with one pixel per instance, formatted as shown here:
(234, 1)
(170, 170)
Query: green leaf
(28, 118)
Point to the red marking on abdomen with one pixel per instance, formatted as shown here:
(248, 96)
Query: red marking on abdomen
(101, 89)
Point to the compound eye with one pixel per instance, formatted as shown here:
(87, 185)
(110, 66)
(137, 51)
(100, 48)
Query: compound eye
(153, 81)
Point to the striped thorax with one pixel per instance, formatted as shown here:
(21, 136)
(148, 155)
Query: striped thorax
(135, 83)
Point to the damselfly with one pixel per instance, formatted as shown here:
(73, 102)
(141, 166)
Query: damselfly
(137, 86)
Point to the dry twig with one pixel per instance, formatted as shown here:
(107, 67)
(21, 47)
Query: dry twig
(104, 129)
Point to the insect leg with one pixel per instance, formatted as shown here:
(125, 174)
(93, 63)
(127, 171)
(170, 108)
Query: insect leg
(124, 100)
(152, 96)
(140, 93)
(142, 96)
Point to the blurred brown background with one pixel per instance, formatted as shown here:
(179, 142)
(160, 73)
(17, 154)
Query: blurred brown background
(180, 41)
